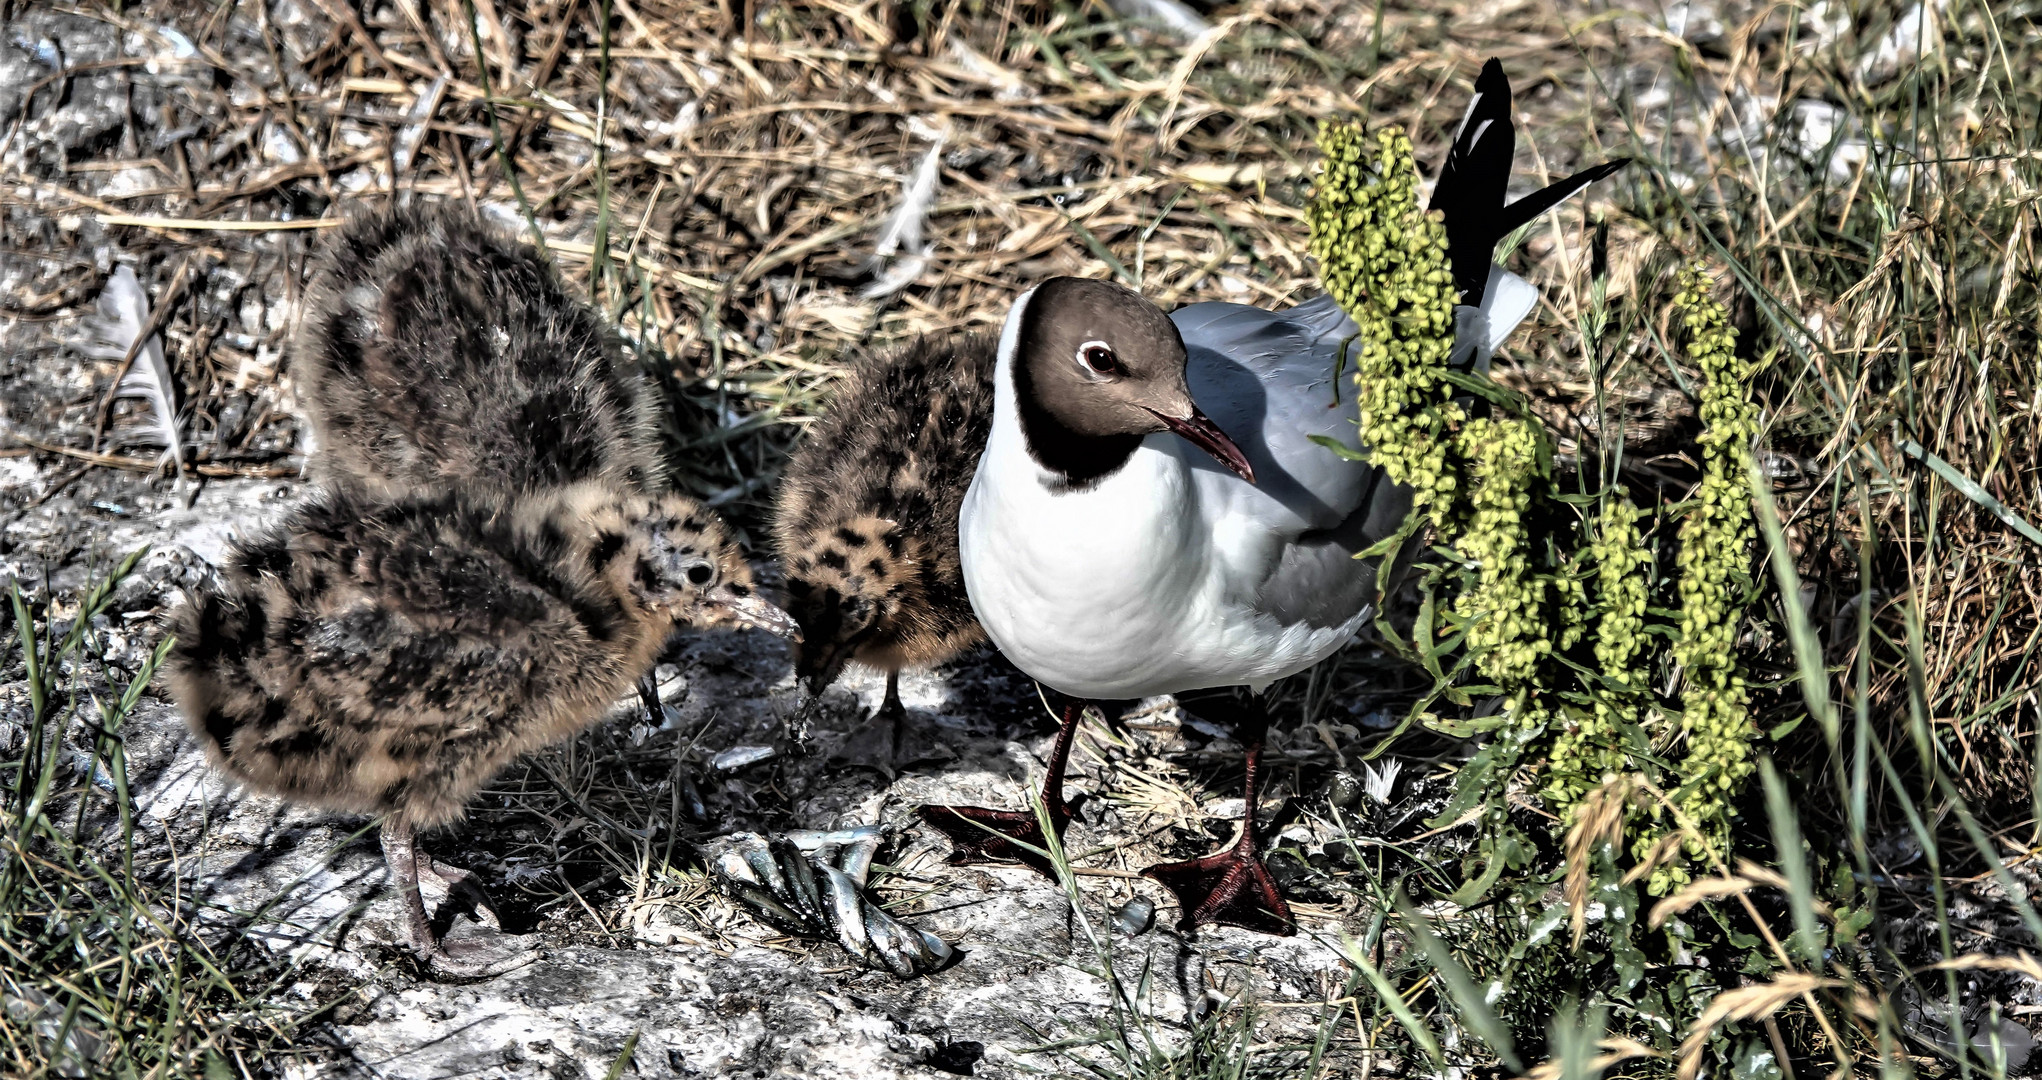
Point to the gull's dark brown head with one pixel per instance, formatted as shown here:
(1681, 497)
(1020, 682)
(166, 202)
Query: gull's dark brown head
(1096, 368)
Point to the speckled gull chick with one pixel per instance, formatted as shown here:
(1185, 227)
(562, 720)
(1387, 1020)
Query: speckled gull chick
(1118, 543)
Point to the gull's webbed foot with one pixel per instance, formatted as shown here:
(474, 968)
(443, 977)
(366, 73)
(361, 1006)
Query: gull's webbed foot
(982, 835)
(1232, 888)
(979, 835)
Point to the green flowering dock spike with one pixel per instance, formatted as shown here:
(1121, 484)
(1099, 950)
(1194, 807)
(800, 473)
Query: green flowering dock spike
(1385, 261)
(1714, 562)
(1621, 560)
(1506, 602)
(1589, 749)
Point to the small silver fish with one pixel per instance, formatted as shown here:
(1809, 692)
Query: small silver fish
(1134, 917)
(737, 757)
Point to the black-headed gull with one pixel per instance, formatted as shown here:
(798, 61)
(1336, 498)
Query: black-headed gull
(1116, 543)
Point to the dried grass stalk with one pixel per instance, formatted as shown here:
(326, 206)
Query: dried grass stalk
(1744, 1003)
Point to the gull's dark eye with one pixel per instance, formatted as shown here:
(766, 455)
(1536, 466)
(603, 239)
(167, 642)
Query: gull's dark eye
(699, 574)
(1099, 356)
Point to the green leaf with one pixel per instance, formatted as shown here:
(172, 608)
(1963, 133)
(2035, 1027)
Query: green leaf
(1626, 956)
(1971, 489)
(1340, 448)
(623, 1061)
(1474, 889)
(1850, 922)
(1786, 826)
(1541, 928)
(1421, 635)
(1807, 647)
(1100, 250)
(1754, 1060)
(1468, 727)
(1482, 386)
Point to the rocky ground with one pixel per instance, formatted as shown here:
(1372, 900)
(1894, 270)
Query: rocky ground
(704, 989)
(590, 850)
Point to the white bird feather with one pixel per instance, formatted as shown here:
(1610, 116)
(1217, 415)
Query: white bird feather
(111, 333)
(1171, 15)
(902, 233)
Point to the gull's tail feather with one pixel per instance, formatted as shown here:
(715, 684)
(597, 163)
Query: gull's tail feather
(1480, 330)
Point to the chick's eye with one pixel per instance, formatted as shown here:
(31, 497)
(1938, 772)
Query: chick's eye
(699, 574)
(1099, 356)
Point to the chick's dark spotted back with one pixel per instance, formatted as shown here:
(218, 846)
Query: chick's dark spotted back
(380, 656)
(867, 517)
(436, 351)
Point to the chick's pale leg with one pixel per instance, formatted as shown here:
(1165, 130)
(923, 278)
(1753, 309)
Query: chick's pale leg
(876, 742)
(466, 959)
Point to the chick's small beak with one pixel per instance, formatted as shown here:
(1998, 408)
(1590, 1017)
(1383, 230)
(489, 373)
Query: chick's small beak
(1199, 430)
(821, 671)
(754, 610)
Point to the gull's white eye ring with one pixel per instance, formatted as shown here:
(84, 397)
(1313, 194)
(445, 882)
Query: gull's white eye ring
(1099, 357)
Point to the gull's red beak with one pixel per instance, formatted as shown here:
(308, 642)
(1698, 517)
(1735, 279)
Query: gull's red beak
(1199, 430)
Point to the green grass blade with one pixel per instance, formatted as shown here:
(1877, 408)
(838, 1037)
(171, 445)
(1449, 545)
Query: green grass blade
(1786, 826)
(1474, 1008)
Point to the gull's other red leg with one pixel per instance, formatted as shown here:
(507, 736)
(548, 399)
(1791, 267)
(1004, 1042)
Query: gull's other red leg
(1233, 887)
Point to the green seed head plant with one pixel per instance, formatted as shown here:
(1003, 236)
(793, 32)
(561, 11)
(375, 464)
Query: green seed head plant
(1589, 749)
(1516, 590)
(1503, 607)
(1385, 261)
(1535, 597)
(1714, 561)
(1591, 639)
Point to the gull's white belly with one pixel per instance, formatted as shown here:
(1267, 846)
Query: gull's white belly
(1122, 592)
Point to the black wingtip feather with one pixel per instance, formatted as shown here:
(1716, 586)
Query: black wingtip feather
(1475, 177)
(1544, 199)
(1478, 162)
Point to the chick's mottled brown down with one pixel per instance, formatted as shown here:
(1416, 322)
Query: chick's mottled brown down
(438, 352)
(867, 520)
(389, 656)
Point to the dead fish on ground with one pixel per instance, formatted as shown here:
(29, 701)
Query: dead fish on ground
(811, 884)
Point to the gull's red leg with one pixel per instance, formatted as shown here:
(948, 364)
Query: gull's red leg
(981, 835)
(1233, 887)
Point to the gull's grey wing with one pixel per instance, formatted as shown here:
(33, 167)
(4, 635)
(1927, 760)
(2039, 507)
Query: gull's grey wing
(1271, 381)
